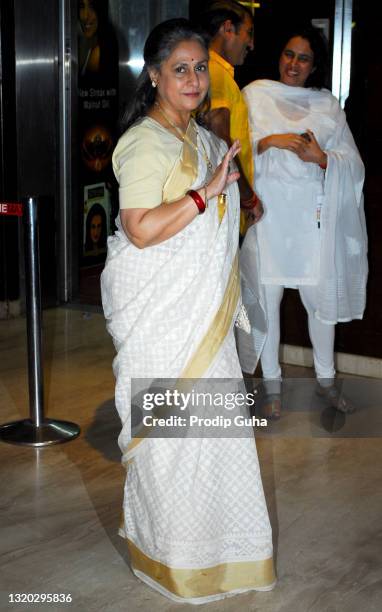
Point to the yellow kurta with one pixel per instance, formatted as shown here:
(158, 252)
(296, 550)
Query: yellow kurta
(225, 93)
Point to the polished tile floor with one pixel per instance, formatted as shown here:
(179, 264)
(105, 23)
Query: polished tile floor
(60, 506)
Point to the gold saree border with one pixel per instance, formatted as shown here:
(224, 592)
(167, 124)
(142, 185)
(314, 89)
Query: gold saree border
(185, 170)
(213, 339)
(204, 582)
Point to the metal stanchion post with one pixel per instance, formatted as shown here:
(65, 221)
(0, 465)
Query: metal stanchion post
(37, 430)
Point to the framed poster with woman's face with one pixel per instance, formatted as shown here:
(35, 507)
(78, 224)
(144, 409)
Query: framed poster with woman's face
(96, 222)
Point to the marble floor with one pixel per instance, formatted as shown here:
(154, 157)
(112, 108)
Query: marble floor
(60, 506)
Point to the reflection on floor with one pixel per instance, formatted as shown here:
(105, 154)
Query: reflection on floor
(60, 506)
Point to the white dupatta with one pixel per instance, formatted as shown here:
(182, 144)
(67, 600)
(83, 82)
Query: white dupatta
(278, 108)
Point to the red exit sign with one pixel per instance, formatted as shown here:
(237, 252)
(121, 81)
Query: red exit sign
(11, 208)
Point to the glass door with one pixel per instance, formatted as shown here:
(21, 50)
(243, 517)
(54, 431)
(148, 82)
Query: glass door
(101, 57)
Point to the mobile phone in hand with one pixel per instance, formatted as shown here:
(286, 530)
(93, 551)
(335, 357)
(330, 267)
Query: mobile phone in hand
(306, 137)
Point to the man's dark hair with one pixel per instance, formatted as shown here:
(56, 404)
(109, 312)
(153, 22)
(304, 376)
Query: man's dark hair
(215, 13)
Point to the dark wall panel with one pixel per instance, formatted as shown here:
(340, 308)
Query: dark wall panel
(37, 87)
(9, 252)
(36, 41)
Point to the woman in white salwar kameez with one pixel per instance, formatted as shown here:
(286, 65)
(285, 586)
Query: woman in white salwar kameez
(194, 513)
(309, 176)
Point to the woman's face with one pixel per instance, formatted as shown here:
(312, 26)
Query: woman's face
(183, 79)
(95, 228)
(296, 62)
(88, 18)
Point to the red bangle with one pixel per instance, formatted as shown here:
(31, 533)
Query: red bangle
(324, 165)
(200, 203)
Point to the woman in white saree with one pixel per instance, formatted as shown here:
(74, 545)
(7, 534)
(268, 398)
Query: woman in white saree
(194, 514)
(312, 237)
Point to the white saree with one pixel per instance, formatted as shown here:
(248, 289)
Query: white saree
(195, 517)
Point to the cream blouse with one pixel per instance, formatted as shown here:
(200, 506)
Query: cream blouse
(142, 162)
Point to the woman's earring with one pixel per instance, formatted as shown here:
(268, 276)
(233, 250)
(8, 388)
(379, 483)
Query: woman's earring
(153, 83)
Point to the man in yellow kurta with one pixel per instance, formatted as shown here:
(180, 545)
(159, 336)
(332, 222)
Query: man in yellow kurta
(230, 26)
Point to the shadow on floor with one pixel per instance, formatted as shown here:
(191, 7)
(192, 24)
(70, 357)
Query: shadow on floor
(102, 434)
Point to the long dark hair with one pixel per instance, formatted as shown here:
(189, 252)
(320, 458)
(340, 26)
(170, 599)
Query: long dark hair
(159, 45)
(319, 77)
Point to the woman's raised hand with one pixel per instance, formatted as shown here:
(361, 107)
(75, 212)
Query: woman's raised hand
(222, 176)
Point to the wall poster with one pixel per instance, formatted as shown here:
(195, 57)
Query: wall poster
(97, 127)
